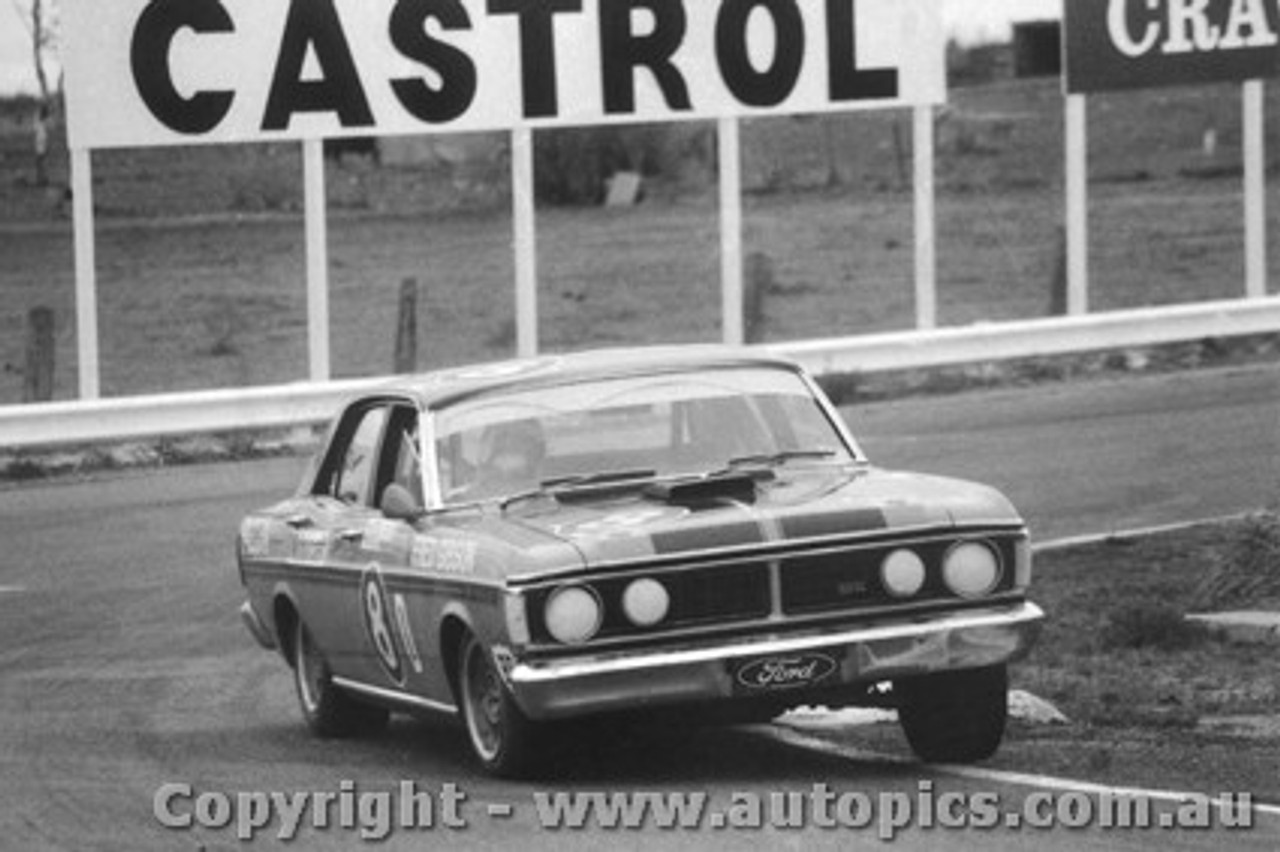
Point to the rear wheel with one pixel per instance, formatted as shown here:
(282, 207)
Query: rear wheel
(954, 717)
(502, 738)
(326, 708)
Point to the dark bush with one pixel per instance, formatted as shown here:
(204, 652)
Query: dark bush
(1150, 625)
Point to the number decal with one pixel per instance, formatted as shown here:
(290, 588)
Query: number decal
(406, 633)
(377, 622)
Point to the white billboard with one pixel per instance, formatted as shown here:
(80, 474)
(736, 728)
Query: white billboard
(163, 72)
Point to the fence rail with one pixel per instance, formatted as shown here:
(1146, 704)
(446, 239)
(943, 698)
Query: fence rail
(282, 406)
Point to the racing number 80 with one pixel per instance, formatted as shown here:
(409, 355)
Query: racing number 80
(373, 597)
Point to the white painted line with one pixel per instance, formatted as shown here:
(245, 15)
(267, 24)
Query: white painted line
(1043, 782)
(1138, 532)
(11, 590)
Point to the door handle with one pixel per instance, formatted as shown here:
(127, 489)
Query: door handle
(350, 536)
(297, 522)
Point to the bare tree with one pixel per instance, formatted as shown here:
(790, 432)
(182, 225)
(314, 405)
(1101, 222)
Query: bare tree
(41, 20)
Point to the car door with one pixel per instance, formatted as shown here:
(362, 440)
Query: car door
(369, 550)
(328, 528)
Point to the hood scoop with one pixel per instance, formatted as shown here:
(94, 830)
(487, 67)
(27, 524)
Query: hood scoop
(737, 487)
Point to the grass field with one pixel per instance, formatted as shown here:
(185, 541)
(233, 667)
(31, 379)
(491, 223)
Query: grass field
(201, 268)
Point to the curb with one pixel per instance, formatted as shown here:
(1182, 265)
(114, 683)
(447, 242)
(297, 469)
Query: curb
(1246, 627)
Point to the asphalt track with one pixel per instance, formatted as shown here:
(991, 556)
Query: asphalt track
(123, 667)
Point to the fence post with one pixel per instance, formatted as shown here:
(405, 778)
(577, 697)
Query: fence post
(1058, 286)
(37, 377)
(759, 281)
(407, 328)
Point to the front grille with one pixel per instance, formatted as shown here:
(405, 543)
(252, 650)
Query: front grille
(811, 583)
(718, 594)
(850, 579)
(831, 581)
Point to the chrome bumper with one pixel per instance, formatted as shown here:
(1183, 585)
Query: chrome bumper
(627, 681)
(255, 626)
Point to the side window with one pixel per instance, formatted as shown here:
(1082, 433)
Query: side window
(401, 462)
(357, 467)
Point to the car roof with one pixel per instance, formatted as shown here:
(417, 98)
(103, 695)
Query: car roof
(440, 388)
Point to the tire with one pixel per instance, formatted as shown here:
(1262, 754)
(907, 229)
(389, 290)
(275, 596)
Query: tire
(954, 717)
(328, 711)
(501, 737)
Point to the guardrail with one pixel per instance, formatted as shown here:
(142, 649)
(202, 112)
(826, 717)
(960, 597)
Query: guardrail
(282, 406)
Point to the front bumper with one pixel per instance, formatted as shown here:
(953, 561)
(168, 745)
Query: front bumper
(704, 673)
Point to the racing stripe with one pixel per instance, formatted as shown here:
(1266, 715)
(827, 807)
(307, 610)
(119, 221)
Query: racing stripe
(819, 524)
(709, 537)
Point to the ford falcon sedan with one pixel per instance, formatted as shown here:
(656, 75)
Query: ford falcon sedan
(689, 528)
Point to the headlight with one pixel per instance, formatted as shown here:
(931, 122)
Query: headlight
(902, 573)
(646, 602)
(971, 569)
(573, 614)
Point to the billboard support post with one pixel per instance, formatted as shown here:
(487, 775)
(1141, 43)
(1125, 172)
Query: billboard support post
(1077, 151)
(526, 251)
(86, 274)
(317, 231)
(1255, 192)
(731, 304)
(926, 219)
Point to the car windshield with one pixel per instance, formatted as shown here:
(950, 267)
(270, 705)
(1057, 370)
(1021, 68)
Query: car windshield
(632, 428)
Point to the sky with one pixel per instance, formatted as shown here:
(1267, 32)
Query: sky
(967, 20)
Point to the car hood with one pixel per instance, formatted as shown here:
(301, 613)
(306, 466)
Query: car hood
(796, 506)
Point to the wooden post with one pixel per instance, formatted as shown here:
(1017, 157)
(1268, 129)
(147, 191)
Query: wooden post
(37, 376)
(1058, 285)
(407, 328)
(759, 281)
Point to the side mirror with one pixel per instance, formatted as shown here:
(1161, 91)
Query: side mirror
(398, 504)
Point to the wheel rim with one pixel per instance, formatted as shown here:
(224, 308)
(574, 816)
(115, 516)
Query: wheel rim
(312, 674)
(482, 701)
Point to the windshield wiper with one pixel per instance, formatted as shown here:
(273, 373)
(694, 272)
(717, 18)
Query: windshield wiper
(773, 459)
(573, 480)
(577, 480)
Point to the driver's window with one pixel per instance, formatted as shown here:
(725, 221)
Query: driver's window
(357, 469)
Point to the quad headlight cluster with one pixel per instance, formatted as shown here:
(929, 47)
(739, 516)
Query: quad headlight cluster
(574, 614)
(970, 569)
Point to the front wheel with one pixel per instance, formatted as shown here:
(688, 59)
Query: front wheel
(327, 710)
(502, 738)
(954, 717)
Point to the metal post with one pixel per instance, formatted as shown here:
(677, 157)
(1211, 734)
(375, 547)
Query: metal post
(526, 242)
(317, 260)
(1255, 191)
(926, 220)
(86, 274)
(731, 301)
(1077, 206)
